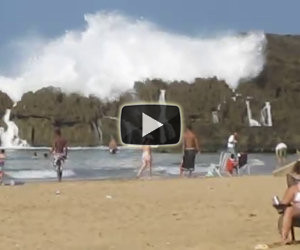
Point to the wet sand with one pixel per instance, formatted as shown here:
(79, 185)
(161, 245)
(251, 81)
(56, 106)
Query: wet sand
(197, 213)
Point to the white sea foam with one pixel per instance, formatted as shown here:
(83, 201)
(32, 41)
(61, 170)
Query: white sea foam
(167, 170)
(113, 51)
(37, 174)
(256, 162)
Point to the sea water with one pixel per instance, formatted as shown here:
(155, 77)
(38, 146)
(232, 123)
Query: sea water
(98, 163)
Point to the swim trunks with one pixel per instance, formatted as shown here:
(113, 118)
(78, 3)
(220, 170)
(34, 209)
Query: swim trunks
(189, 159)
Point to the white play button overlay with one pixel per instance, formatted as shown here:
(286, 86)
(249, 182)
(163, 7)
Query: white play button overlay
(149, 124)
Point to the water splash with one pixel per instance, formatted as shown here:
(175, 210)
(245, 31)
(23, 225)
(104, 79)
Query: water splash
(168, 130)
(162, 115)
(113, 51)
(266, 115)
(162, 96)
(215, 117)
(10, 136)
(252, 122)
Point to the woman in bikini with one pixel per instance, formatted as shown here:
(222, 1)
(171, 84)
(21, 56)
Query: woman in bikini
(292, 199)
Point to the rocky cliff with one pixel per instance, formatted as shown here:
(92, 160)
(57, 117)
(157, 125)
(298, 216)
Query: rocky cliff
(81, 119)
(209, 105)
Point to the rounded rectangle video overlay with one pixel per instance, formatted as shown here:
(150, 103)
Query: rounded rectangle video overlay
(150, 124)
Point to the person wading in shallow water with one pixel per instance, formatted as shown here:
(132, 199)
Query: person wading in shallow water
(190, 148)
(113, 147)
(59, 145)
(281, 152)
(59, 150)
(146, 157)
(231, 144)
(2, 161)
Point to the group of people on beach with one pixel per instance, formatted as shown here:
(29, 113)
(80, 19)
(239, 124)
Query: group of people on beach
(190, 149)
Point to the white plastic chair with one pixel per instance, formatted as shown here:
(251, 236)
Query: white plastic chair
(218, 168)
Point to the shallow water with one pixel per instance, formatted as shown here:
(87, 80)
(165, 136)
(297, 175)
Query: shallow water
(98, 163)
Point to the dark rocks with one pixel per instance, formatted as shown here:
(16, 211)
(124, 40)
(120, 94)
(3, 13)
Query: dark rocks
(38, 113)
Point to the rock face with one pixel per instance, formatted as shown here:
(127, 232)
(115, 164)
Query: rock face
(209, 105)
(80, 118)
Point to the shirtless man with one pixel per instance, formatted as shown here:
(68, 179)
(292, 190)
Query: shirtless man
(191, 148)
(59, 146)
(146, 159)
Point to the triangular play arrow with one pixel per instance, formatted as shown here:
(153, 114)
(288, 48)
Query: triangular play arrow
(149, 124)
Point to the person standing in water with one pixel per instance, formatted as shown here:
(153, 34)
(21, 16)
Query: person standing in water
(59, 151)
(35, 156)
(190, 148)
(146, 158)
(231, 144)
(281, 150)
(59, 146)
(113, 147)
(2, 161)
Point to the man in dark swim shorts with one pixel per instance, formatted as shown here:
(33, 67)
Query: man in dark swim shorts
(191, 148)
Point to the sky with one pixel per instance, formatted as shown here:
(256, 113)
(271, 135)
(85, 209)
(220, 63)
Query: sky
(50, 18)
(24, 18)
(28, 26)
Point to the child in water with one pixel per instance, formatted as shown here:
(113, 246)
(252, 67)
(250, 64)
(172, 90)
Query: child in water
(231, 164)
(146, 157)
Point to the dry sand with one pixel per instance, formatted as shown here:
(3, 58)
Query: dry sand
(197, 213)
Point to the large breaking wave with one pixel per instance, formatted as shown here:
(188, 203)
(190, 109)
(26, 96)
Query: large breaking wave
(113, 51)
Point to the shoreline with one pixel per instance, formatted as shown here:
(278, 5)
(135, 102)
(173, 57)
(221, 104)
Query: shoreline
(125, 179)
(161, 150)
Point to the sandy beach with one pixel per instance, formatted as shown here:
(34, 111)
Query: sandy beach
(196, 213)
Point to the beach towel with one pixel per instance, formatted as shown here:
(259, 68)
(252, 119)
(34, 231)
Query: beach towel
(189, 159)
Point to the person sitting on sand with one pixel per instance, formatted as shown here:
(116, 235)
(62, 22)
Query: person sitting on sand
(190, 148)
(146, 158)
(231, 164)
(2, 161)
(291, 198)
(113, 147)
(281, 150)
